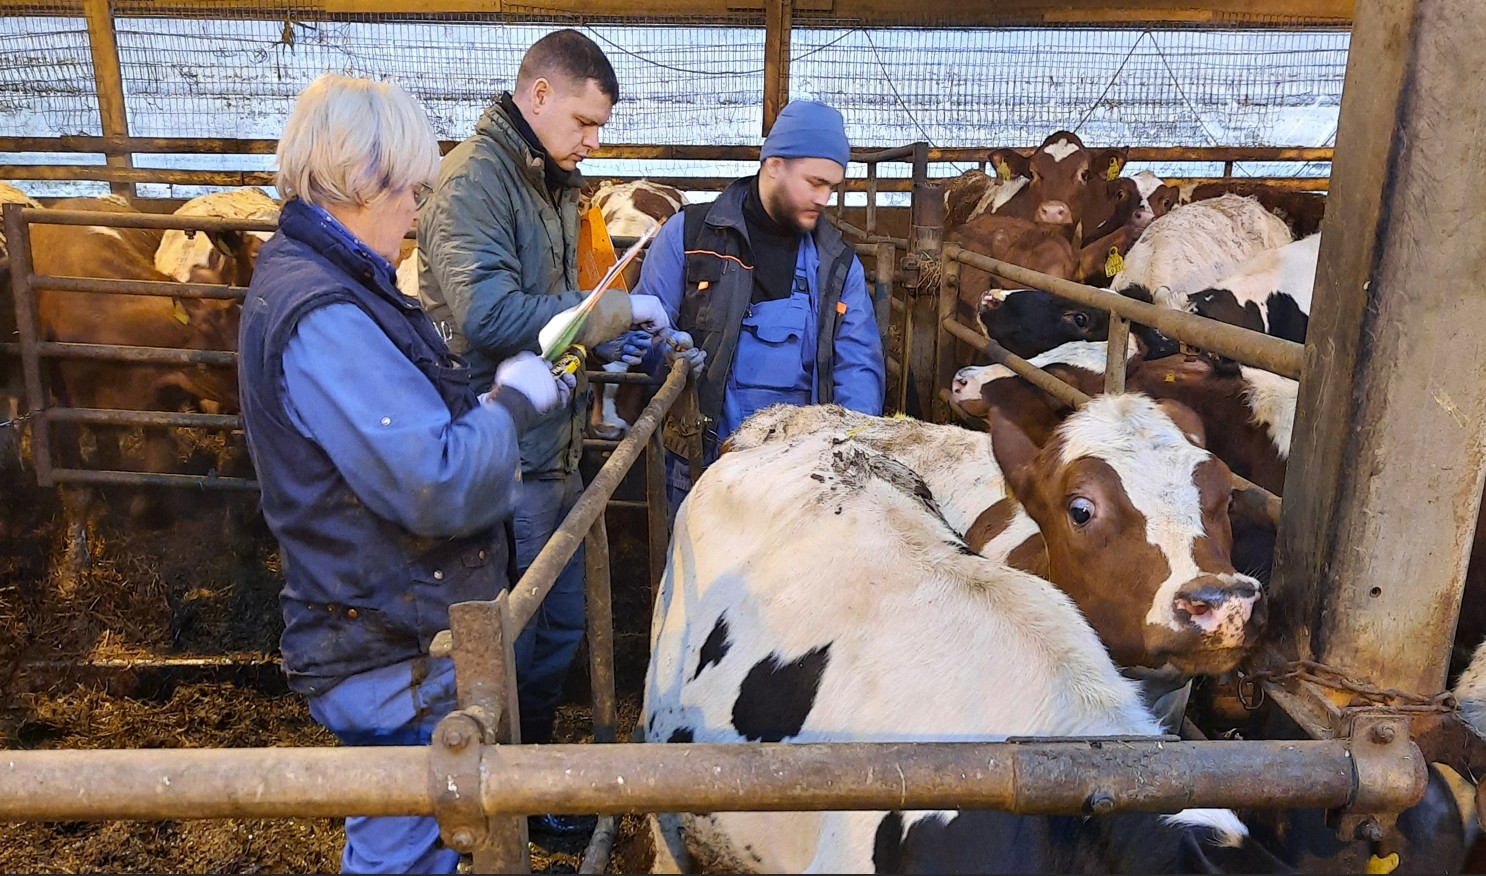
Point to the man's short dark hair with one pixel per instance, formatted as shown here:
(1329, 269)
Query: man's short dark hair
(574, 56)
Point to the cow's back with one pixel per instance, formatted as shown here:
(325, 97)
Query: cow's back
(1195, 244)
(814, 593)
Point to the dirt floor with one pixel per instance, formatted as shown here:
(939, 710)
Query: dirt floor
(204, 583)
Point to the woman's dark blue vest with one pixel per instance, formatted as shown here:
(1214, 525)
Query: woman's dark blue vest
(360, 592)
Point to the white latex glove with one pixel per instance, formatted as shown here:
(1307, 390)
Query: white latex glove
(530, 375)
(648, 313)
(679, 345)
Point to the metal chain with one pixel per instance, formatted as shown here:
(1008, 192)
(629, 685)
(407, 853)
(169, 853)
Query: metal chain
(16, 421)
(1337, 679)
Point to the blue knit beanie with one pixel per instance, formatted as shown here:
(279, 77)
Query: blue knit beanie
(808, 129)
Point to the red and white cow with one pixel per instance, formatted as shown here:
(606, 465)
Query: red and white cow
(1048, 186)
(802, 571)
(224, 258)
(1149, 621)
(629, 209)
(1118, 213)
(1196, 244)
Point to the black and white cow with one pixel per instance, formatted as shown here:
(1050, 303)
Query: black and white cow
(815, 592)
(1269, 293)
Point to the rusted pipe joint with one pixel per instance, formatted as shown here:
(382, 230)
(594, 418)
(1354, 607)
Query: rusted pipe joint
(454, 781)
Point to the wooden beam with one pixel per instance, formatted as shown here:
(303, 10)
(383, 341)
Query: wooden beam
(778, 20)
(112, 112)
(234, 146)
(1386, 465)
(1329, 13)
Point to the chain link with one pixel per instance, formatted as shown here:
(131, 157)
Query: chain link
(16, 421)
(1336, 679)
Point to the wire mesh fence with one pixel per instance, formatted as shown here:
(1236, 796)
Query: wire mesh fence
(233, 70)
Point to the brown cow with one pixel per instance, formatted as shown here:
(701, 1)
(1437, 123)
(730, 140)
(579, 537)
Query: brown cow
(1049, 186)
(126, 320)
(1302, 211)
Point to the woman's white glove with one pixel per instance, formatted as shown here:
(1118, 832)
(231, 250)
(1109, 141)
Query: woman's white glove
(531, 375)
(648, 313)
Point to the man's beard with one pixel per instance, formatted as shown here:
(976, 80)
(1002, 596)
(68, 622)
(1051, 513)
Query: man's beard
(789, 218)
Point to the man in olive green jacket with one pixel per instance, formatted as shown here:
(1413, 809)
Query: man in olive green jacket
(498, 238)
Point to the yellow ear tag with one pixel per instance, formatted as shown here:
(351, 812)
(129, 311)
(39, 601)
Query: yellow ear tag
(1114, 264)
(1114, 169)
(179, 312)
(1382, 865)
(1003, 170)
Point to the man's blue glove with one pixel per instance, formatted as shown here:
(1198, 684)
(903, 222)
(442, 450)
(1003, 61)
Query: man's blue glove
(628, 348)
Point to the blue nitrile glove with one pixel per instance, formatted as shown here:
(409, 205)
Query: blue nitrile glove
(679, 345)
(628, 348)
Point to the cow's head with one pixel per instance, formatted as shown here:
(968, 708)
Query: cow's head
(1031, 321)
(1061, 170)
(230, 260)
(1134, 201)
(1134, 514)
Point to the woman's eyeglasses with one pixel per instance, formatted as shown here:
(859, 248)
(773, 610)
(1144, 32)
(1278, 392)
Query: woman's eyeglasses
(421, 191)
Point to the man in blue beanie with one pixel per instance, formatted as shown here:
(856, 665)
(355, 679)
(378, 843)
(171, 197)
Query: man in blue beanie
(771, 305)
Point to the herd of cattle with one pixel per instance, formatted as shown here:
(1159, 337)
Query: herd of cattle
(837, 577)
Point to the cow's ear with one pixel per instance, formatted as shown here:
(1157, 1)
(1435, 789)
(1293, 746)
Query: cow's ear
(1185, 419)
(228, 243)
(1109, 163)
(1015, 454)
(1167, 197)
(1009, 163)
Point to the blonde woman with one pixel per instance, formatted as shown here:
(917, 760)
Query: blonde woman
(385, 476)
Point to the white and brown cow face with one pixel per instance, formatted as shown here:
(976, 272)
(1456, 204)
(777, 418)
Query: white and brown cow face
(631, 208)
(1134, 513)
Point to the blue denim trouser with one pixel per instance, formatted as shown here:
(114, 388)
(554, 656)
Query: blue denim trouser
(545, 649)
(388, 706)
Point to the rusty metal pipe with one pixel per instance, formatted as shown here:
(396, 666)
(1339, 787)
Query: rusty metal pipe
(48, 216)
(894, 153)
(622, 377)
(146, 355)
(103, 173)
(529, 592)
(1249, 347)
(100, 416)
(148, 479)
(160, 288)
(1254, 499)
(1029, 777)
(18, 237)
(600, 846)
(600, 614)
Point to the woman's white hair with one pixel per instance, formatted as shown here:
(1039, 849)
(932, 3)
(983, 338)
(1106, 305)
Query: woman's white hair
(354, 141)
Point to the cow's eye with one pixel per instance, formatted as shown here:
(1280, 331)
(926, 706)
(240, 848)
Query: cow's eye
(1080, 511)
(1083, 176)
(1081, 320)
